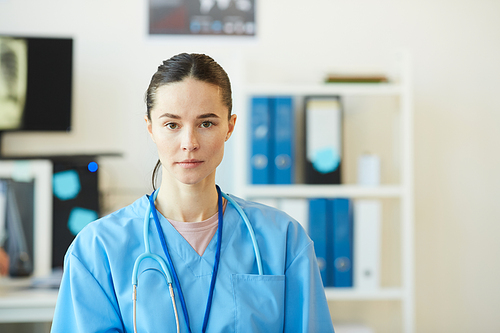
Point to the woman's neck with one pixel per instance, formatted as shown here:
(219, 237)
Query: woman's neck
(187, 203)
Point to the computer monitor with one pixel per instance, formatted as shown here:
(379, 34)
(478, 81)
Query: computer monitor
(36, 75)
(26, 215)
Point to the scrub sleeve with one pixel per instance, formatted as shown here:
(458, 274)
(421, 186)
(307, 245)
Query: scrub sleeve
(83, 304)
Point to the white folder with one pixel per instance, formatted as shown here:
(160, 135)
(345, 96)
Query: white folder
(367, 233)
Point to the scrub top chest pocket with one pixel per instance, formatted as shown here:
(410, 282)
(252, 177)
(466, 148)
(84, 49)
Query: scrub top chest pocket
(259, 302)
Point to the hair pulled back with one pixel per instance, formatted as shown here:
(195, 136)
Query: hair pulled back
(197, 66)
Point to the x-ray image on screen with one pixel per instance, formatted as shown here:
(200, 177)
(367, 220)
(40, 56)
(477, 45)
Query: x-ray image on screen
(202, 17)
(13, 81)
(36, 76)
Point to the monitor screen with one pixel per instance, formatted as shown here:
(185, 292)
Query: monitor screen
(35, 83)
(26, 215)
(16, 224)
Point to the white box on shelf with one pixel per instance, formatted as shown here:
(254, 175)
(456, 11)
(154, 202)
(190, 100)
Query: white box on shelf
(369, 170)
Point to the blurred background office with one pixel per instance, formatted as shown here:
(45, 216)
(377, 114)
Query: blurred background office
(455, 51)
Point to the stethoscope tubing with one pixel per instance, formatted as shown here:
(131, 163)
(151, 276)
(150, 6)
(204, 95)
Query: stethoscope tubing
(250, 230)
(164, 270)
(168, 270)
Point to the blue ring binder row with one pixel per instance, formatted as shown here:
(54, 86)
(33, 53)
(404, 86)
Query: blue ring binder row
(272, 139)
(331, 229)
(346, 235)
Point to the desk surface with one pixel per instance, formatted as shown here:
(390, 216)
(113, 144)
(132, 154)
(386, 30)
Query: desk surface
(21, 303)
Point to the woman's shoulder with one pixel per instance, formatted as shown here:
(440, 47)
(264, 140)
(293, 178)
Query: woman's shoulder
(276, 227)
(269, 218)
(122, 216)
(254, 207)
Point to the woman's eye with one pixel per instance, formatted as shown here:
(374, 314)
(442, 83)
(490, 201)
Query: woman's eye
(206, 124)
(172, 126)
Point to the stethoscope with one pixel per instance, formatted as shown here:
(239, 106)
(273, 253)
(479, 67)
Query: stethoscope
(169, 272)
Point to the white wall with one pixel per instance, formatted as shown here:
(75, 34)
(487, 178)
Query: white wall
(455, 47)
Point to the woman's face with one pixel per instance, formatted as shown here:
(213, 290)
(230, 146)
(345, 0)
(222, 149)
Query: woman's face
(189, 124)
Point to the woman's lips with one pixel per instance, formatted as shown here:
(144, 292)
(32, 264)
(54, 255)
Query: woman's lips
(189, 164)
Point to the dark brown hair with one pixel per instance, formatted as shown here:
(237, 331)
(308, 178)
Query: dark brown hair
(180, 67)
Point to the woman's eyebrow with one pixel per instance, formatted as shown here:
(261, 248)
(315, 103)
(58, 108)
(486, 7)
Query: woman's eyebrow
(201, 116)
(207, 115)
(170, 115)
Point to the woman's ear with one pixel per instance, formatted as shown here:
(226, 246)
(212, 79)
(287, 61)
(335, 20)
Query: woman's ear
(149, 127)
(232, 123)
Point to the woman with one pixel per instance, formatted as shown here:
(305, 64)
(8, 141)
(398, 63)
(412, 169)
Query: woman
(189, 118)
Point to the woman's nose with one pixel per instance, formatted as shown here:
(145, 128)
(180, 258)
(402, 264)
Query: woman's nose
(190, 141)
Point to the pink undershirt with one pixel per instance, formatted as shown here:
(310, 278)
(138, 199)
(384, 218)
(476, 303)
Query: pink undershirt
(198, 234)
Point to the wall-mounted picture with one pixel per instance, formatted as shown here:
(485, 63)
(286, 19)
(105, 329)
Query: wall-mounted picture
(202, 17)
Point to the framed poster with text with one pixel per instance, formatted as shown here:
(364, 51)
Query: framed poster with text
(202, 17)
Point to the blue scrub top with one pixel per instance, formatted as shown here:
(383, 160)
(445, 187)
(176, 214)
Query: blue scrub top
(96, 289)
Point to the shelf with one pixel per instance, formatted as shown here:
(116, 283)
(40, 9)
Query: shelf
(21, 303)
(316, 191)
(333, 294)
(400, 94)
(326, 89)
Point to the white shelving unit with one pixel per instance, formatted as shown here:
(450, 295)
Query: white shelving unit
(402, 191)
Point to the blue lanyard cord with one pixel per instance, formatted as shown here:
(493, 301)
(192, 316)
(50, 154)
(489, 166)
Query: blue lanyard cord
(216, 263)
(171, 265)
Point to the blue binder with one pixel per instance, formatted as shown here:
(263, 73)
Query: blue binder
(283, 126)
(342, 230)
(260, 129)
(318, 219)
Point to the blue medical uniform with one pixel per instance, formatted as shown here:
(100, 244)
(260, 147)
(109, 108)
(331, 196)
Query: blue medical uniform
(96, 289)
